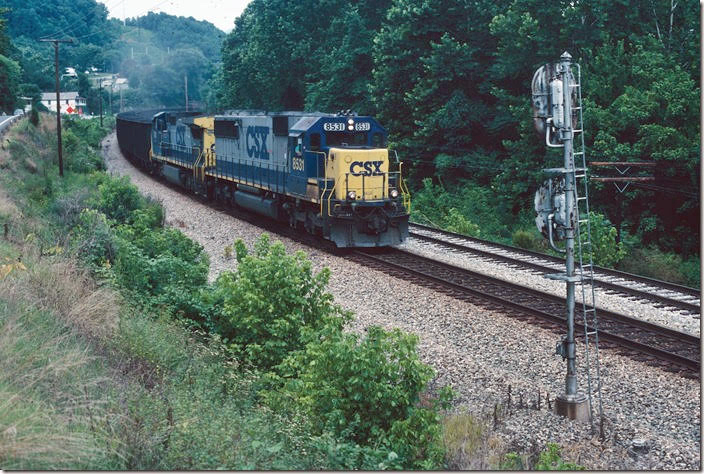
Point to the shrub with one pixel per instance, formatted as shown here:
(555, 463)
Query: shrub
(117, 198)
(34, 116)
(93, 239)
(665, 266)
(606, 251)
(524, 239)
(261, 309)
(152, 262)
(550, 460)
(368, 393)
(455, 221)
(69, 206)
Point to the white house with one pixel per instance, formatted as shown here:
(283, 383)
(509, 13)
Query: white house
(71, 103)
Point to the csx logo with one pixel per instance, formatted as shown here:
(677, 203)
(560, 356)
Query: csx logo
(256, 142)
(368, 168)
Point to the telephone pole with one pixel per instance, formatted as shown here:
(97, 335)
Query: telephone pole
(58, 97)
(185, 79)
(100, 87)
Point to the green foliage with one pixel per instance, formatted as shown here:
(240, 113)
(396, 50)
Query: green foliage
(642, 110)
(469, 211)
(457, 222)
(80, 157)
(524, 239)
(95, 243)
(550, 460)
(155, 261)
(117, 198)
(10, 75)
(666, 266)
(34, 117)
(512, 462)
(367, 391)
(606, 251)
(263, 309)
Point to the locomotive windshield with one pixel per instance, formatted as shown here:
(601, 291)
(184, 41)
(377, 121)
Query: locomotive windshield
(346, 138)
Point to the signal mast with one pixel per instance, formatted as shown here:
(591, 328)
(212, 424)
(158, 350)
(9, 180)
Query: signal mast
(557, 115)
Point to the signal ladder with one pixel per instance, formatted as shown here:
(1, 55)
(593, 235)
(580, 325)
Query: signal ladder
(585, 270)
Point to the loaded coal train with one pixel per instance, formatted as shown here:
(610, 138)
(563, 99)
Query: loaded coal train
(329, 174)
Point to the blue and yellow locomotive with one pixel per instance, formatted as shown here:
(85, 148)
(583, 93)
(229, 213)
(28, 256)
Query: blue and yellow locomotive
(330, 174)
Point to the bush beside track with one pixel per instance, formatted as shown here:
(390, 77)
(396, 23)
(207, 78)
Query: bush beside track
(270, 390)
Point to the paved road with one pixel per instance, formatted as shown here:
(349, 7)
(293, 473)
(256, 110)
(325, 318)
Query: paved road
(6, 120)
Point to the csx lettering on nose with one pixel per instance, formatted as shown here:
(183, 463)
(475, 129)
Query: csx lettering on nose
(367, 168)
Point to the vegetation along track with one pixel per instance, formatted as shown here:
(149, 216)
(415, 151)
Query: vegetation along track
(652, 343)
(664, 294)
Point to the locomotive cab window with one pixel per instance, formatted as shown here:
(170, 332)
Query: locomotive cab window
(378, 140)
(315, 142)
(346, 138)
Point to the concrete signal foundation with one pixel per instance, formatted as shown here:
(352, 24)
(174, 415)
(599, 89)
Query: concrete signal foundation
(574, 407)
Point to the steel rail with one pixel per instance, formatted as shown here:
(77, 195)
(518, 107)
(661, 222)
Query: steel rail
(621, 288)
(620, 340)
(307, 239)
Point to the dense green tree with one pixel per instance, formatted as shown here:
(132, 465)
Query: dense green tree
(10, 71)
(180, 32)
(343, 78)
(10, 74)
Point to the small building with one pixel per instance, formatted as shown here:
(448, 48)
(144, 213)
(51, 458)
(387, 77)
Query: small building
(71, 102)
(121, 83)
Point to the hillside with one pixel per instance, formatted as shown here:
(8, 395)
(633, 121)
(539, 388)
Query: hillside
(451, 81)
(154, 52)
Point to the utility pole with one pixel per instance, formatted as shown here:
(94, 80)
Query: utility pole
(58, 98)
(185, 79)
(100, 82)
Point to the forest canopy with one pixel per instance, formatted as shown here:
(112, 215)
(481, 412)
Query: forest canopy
(450, 79)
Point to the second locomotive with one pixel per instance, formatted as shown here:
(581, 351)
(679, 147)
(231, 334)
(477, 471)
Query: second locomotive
(330, 174)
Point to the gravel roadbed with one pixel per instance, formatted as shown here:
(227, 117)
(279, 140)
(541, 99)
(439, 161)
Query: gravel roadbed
(480, 353)
(641, 309)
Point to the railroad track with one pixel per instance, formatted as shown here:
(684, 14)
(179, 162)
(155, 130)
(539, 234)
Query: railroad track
(663, 294)
(652, 343)
(657, 345)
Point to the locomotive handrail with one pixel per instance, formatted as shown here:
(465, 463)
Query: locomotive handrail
(325, 177)
(404, 188)
(196, 167)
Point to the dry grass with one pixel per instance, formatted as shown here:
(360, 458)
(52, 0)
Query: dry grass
(469, 443)
(60, 286)
(43, 418)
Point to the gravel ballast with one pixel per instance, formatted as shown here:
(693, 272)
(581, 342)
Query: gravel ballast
(635, 308)
(480, 352)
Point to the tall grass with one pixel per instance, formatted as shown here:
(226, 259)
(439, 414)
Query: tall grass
(45, 412)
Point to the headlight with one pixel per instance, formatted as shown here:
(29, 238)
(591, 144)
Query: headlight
(351, 195)
(393, 193)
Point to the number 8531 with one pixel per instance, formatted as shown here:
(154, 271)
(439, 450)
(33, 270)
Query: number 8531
(297, 164)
